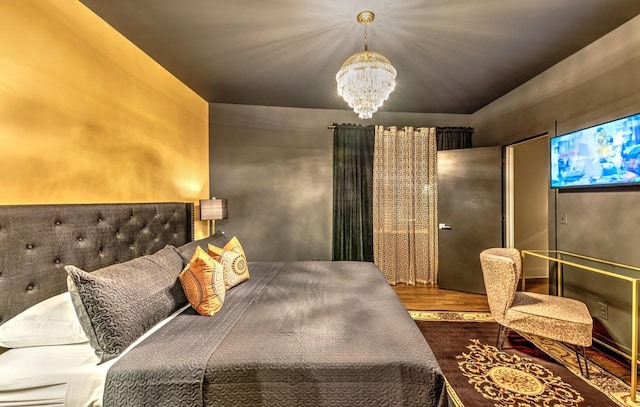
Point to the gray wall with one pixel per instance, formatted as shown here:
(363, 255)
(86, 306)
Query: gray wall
(275, 167)
(597, 84)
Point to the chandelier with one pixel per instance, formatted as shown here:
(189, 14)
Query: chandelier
(366, 78)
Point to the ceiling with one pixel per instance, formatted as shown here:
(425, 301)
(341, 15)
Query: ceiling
(452, 56)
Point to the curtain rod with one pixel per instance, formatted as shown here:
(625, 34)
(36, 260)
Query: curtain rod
(333, 126)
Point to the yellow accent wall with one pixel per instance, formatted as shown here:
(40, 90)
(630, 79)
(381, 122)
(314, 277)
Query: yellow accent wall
(87, 117)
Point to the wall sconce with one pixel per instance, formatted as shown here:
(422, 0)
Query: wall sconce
(213, 209)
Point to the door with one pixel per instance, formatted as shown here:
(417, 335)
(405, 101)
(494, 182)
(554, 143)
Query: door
(469, 214)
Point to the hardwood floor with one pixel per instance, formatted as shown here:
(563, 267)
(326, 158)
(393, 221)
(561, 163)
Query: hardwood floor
(422, 297)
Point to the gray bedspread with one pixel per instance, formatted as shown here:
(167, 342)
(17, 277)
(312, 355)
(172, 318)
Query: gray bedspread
(295, 334)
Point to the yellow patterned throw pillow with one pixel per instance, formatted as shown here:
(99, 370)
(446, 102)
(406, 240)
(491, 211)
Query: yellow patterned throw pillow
(203, 283)
(233, 260)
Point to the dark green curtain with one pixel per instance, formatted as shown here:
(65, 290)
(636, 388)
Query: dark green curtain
(353, 192)
(451, 138)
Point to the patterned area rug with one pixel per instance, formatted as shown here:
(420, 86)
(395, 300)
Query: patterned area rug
(528, 371)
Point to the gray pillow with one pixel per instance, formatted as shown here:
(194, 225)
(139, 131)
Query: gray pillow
(186, 251)
(119, 303)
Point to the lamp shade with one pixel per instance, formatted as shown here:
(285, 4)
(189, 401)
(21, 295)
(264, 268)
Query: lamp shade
(213, 209)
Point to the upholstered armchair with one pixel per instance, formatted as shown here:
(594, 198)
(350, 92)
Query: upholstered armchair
(563, 319)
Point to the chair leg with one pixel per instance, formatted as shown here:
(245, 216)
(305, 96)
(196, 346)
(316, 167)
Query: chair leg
(586, 361)
(502, 335)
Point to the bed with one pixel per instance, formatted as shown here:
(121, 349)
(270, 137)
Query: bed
(303, 333)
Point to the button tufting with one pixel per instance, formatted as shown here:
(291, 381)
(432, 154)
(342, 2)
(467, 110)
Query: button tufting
(58, 223)
(80, 239)
(30, 287)
(100, 220)
(57, 261)
(29, 246)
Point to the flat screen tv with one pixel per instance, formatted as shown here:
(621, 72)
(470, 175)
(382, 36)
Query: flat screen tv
(604, 155)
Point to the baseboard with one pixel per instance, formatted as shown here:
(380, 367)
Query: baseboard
(536, 272)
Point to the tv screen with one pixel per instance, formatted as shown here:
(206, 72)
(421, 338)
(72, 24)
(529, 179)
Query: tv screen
(604, 155)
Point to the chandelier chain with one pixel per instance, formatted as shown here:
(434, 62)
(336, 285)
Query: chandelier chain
(366, 42)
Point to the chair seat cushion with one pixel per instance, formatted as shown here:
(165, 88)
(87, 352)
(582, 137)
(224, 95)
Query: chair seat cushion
(559, 318)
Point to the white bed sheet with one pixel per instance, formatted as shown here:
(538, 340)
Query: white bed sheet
(85, 387)
(39, 366)
(52, 396)
(37, 376)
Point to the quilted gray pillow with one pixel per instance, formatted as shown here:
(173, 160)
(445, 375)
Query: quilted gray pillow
(119, 303)
(186, 251)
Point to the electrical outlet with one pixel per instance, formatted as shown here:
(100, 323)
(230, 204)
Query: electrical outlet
(563, 218)
(603, 311)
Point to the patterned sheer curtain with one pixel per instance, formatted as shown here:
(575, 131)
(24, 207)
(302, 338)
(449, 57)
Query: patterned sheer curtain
(405, 204)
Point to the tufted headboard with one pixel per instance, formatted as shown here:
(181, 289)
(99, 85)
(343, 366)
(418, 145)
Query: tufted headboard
(37, 241)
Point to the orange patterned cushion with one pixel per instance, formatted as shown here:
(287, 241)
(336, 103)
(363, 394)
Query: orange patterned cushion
(203, 283)
(234, 261)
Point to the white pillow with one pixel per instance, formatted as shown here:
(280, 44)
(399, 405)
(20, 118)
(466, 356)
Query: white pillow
(50, 322)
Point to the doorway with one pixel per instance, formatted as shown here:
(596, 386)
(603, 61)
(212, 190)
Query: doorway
(526, 200)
